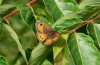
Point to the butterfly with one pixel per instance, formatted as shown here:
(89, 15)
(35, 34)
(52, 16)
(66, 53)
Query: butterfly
(46, 34)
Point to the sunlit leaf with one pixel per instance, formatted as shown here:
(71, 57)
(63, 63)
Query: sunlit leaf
(59, 45)
(59, 8)
(66, 23)
(66, 6)
(83, 50)
(46, 62)
(45, 17)
(94, 31)
(39, 54)
(85, 3)
(89, 9)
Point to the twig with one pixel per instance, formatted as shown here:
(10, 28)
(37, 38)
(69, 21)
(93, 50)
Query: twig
(84, 23)
(31, 2)
(16, 11)
(11, 14)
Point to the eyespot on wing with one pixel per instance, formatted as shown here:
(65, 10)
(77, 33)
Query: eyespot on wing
(48, 41)
(40, 26)
(43, 27)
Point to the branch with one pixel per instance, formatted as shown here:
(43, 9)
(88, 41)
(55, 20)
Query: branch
(16, 11)
(11, 14)
(84, 23)
(31, 2)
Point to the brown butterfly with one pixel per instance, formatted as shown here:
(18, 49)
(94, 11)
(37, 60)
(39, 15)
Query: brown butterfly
(46, 34)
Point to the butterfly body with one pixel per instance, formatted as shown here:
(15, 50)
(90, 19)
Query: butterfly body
(45, 33)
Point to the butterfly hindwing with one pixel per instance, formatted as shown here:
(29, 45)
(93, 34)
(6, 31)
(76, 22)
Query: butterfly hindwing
(52, 38)
(41, 36)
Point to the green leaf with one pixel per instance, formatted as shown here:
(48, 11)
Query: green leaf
(27, 15)
(94, 31)
(1, 20)
(97, 20)
(5, 9)
(83, 50)
(53, 9)
(15, 38)
(23, 11)
(85, 3)
(67, 59)
(28, 18)
(89, 9)
(3, 63)
(39, 54)
(44, 16)
(50, 57)
(3, 60)
(67, 6)
(58, 46)
(66, 23)
(89, 12)
(46, 62)
(58, 8)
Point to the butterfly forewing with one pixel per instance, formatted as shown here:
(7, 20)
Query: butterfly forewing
(42, 27)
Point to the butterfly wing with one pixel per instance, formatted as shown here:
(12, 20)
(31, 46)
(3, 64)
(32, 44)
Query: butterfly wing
(40, 27)
(41, 36)
(56, 36)
(43, 28)
(46, 34)
(52, 38)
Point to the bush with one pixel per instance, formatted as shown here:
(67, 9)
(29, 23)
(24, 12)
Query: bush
(77, 22)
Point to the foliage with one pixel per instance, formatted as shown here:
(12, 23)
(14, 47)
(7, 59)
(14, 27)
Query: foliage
(18, 42)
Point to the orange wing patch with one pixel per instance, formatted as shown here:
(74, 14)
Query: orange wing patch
(52, 38)
(41, 36)
(40, 26)
(46, 34)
